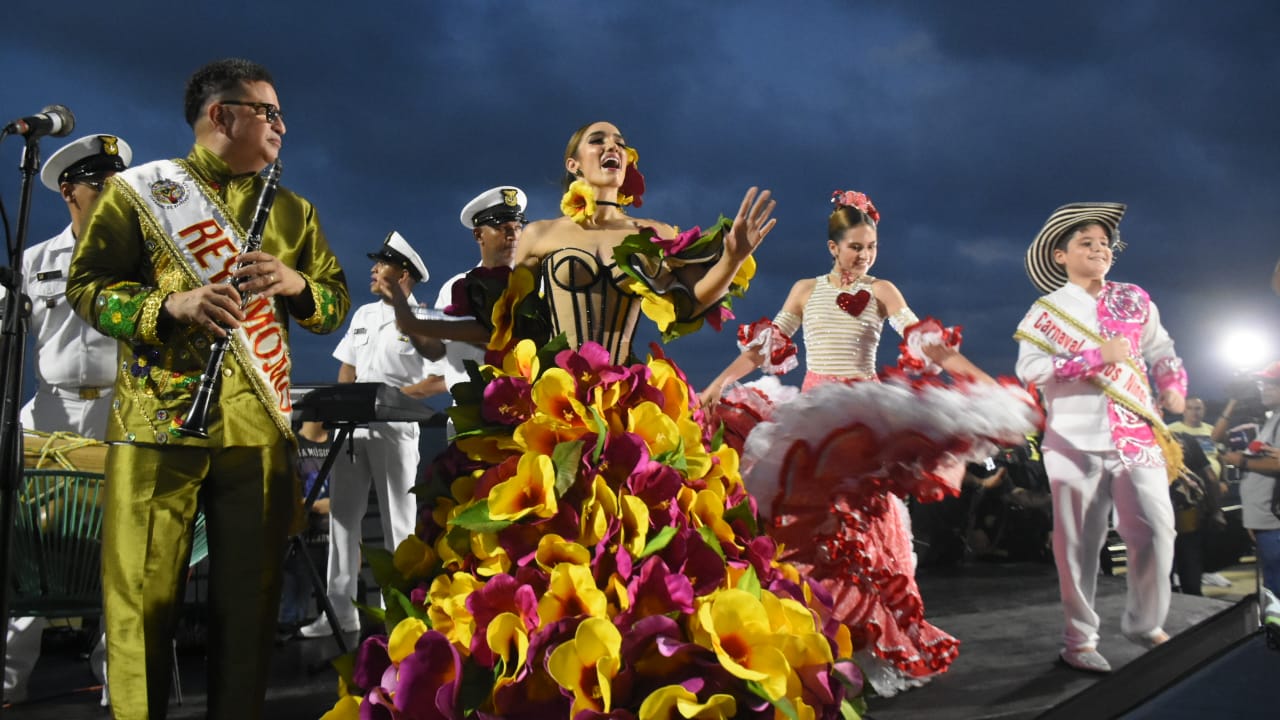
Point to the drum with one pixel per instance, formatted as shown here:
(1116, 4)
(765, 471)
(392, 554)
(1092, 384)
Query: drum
(62, 451)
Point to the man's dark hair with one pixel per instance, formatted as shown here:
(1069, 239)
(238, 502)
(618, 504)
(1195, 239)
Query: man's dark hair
(218, 77)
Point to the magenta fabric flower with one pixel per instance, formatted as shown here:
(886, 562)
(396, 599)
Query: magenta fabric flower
(372, 662)
(717, 316)
(507, 401)
(657, 591)
(673, 246)
(589, 367)
(500, 595)
(429, 680)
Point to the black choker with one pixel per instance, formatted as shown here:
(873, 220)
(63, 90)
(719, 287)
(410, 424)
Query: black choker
(610, 203)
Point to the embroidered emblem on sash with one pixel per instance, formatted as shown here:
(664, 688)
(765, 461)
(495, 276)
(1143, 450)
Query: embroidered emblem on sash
(168, 193)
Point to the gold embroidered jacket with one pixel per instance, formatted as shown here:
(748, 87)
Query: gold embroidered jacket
(120, 276)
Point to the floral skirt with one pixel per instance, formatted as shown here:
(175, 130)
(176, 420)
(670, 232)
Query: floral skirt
(588, 550)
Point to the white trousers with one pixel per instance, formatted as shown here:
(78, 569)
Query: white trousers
(1085, 485)
(386, 456)
(53, 410)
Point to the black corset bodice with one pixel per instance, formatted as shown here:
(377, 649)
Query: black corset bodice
(587, 302)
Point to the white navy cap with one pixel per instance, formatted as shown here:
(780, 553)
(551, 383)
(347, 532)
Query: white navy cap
(494, 207)
(395, 250)
(90, 156)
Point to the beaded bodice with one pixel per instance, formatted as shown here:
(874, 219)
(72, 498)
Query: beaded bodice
(837, 340)
(587, 302)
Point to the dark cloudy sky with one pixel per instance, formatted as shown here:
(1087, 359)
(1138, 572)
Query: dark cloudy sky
(966, 122)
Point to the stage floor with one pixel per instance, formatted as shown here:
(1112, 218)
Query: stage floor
(1006, 615)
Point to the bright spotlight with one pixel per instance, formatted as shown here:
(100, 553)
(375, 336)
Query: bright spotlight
(1245, 349)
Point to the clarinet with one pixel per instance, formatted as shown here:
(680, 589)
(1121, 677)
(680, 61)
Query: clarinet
(197, 422)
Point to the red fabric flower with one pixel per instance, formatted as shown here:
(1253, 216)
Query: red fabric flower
(853, 198)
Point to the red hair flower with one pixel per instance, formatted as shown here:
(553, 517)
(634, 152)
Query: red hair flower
(855, 199)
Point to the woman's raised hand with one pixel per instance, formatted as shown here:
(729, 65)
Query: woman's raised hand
(751, 224)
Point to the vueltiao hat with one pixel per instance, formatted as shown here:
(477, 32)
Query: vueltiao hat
(494, 207)
(396, 250)
(1047, 275)
(89, 156)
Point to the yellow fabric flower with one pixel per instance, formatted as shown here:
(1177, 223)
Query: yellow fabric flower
(735, 625)
(506, 633)
(554, 549)
(571, 591)
(673, 701)
(579, 202)
(597, 511)
(553, 396)
(493, 558)
(542, 433)
(660, 433)
(708, 511)
(447, 608)
(746, 271)
(674, 390)
(522, 361)
(347, 708)
(531, 490)
(503, 316)
(413, 558)
(655, 307)
(587, 664)
(403, 637)
(635, 524)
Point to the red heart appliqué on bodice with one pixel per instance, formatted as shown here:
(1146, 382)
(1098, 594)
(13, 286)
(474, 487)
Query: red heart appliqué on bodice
(853, 303)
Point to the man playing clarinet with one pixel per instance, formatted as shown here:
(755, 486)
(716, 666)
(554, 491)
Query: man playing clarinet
(152, 271)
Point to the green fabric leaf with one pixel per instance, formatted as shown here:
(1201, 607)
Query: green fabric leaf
(658, 542)
(709, 537)
(742, 511)
(476, 519)
(565, 458)
(750, 582)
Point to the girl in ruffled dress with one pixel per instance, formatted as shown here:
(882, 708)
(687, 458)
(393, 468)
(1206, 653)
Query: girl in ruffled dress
(828, 464)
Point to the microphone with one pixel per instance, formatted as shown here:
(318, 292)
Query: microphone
(55, 120)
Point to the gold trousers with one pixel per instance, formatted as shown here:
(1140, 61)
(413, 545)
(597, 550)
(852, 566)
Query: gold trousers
(152, 492)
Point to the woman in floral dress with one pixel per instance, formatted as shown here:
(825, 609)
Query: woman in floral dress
(587, 551)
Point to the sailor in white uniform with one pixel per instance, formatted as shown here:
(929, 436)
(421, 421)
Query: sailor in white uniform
(75, 365)
(385, 453)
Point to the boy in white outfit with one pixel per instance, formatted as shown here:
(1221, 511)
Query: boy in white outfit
(1087, 344)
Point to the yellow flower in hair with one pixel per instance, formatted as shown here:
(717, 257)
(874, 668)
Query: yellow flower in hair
(579, 202)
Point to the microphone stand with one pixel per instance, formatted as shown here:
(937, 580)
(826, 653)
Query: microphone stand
(13, 343)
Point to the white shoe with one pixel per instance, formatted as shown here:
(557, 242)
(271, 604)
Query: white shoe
(1151, 639)
(1086, 660)
(1214, 580)
(319, 627)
